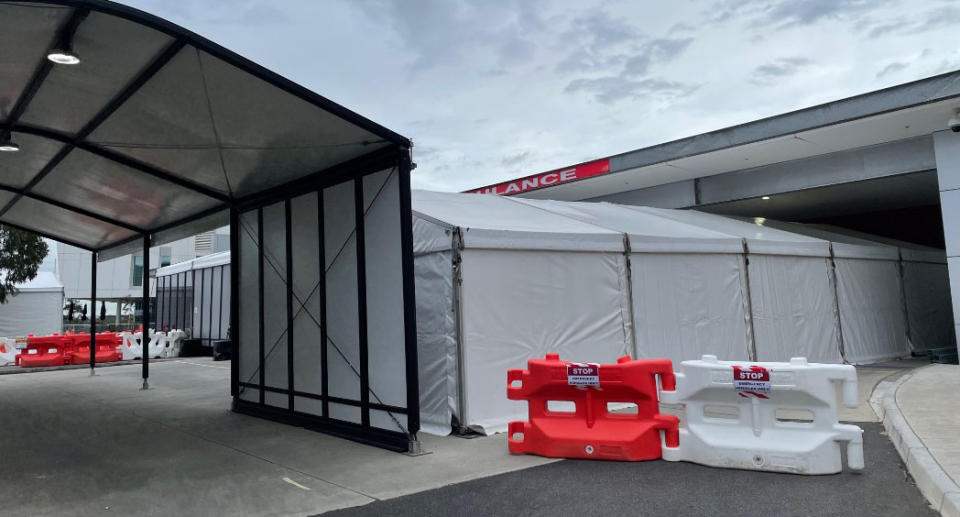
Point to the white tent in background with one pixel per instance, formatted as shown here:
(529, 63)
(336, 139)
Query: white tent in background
(495, 286)
(926, 288)
(37, 309)
(791, 286)
(869, 294)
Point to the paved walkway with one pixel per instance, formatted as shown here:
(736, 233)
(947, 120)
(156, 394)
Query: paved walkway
(930, 403)
(74, 445)
(924, 421)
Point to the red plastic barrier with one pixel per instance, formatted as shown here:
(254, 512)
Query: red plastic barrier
(106, 348)
(592, 431)
(43, 351)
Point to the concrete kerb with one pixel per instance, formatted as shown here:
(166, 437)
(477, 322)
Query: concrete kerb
(939, 489)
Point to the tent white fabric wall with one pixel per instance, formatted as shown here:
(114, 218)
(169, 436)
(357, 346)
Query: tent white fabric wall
(37, 309)
(869, 294)
(518, 265)
(793, 309)
(926, 287)
(687, 293)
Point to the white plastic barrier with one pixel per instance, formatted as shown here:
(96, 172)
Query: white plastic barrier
(162, 344)
(765, 416)
(9, 350)
(130, 346)
(172, 343)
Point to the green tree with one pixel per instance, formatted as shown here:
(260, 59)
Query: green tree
(20, 256)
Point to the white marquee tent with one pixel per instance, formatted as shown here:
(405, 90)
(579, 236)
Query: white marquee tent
(501, 280)
(37, 309)
(508, 300)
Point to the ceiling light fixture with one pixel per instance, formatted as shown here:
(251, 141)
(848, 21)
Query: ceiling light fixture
(63, 57)
(9, 146)
(765, 198)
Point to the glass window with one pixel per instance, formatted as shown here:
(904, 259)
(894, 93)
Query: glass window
(136, 276)
(166, 255)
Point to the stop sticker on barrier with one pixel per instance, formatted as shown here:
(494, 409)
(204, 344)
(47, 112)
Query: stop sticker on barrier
(753, 380)
(583, 374)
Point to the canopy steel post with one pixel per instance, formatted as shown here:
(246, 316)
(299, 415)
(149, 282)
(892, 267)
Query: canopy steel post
(233, 330)
(145, 339)
(93, 311)
(404, 167)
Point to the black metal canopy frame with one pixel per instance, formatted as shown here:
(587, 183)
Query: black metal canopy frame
(120, 131)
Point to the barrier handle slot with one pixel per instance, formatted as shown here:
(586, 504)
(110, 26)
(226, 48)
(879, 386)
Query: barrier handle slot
(514, 392)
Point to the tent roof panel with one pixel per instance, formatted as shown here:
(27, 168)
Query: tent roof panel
(493, 221)
(108, 188)
(647, 231)
(844, 246)
(17, 169)
(63, 225)
(70, 96)
(760, 239)
(22, 49)
(180, 127)
(45, 281)
(908, 250)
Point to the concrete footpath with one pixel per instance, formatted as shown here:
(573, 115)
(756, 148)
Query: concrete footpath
(922, 417)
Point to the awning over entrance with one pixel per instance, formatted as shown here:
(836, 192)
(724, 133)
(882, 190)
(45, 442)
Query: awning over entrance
(150, 128)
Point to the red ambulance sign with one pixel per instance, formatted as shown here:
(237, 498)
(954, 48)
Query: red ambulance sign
(547, 179)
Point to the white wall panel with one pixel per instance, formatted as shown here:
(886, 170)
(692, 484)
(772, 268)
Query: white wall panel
(384, 282)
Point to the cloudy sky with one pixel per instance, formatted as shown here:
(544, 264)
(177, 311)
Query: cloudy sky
(495, 89)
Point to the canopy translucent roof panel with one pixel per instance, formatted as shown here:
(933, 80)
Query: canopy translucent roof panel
(154, 128)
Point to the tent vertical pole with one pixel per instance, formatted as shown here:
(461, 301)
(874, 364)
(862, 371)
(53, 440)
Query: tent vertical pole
(836, 303)
(903, 296)
(145, 336)
(628, 321)
(748, 304)
(457, 282)
(93, 311)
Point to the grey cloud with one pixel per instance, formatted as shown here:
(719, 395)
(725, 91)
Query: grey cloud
(612, 89)
(891, 68)
(515, 159)
(244, 12)
(603, 30)
(790, 13)
(886, 28)
(939, 18)
(783, 67)
(445, 31)
(596, 41)
(655, 51)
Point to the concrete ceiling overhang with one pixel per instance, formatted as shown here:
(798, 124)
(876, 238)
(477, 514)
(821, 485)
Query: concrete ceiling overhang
(897, 113)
